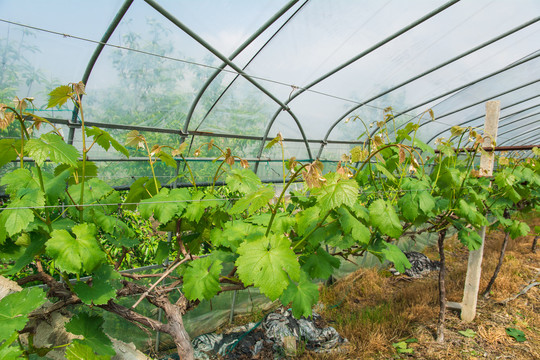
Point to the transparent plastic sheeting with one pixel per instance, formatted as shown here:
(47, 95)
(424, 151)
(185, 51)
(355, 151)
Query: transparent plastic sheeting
(210, 315)
(305, 66)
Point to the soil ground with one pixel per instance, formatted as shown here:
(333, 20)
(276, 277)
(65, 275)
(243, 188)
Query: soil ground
(376, 311)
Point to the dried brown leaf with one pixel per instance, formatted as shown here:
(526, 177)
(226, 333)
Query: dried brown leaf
(312, 175)
(79, 88)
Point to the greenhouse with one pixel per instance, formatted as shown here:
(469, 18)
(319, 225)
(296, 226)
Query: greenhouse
(178, 171)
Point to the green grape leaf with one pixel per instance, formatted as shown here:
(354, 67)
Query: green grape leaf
(105, 140)
(307, 220)
(167, 159)
(134, 138)
(518, 229)
(140, 189)
(79, 351)
(36, 247)
(124, 241)
(469, 212)
(55, 186)
(382, 169)
(409, 207)
(95, 190)
(3, 233)
(18, 179)
(360, 212)
(320, 264)
(253, 201)
(10, 352)
(384, 217)
(18, 214)
(162, 251)
(336, 192)
(165, 205)
(283, 222)
(7, 151)
(470, 238)
(53, 147)
(91, 328)
(201, 279)
(112, 225)
(423, 146)
(77, 171)
(15, 308)
(235, 233)
(74, 255)
(16, 220)
(273, 142)
(517, 334)
(342, 242)
(59, 96)
(243, 180)
(394, 254)
(195, 209)
(105, 282)
(303, 296)
(268, 263)
(426, 201)
(330, 233)
(351, 225)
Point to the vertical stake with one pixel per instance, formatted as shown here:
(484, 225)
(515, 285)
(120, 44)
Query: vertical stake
(474, 267)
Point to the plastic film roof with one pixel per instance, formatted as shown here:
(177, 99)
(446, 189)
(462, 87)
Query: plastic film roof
(242, 71)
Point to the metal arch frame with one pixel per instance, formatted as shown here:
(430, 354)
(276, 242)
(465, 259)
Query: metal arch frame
(214, 51)
(427, 72)
(482, 116)
(474, 82)
(519, 120)
(517, 128)
(532, 137)
(255, 35)
(104, 39)
(349, 62)
(487, 99)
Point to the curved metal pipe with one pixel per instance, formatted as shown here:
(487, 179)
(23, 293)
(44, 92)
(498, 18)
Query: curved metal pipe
(119, 15)
(481, 116)
(509, 67)
(214, 51)
(349, 62)
(460, 56)
(517, 128)
(246, 43)
(532, 137)
(487, 99)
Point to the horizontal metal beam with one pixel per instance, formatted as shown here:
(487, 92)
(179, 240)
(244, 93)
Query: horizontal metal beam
(177, 159)
(189, 133)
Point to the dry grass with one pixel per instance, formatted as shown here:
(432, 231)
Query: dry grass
(373, 310)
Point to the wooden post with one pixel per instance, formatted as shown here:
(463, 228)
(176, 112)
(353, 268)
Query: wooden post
(474, 268)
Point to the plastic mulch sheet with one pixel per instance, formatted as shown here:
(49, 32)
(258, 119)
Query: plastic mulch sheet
(269, 337)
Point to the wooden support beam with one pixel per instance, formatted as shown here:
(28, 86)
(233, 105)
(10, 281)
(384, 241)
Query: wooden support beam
(474, 268)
